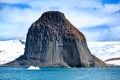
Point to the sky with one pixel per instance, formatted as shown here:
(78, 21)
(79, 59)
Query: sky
(98, 20)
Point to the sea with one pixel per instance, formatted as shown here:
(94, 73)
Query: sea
(18, 73)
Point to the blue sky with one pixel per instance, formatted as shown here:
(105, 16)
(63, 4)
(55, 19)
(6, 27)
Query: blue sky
(99, 20)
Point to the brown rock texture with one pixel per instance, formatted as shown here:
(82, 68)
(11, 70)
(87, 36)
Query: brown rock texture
(52, 41)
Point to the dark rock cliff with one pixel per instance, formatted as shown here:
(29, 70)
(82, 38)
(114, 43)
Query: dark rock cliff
(52, 41)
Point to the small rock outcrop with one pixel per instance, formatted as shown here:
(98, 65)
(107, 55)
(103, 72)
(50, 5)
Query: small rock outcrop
(52, 41)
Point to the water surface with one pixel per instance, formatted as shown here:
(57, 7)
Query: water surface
(13, 73)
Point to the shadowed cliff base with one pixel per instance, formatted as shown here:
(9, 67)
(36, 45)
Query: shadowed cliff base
(52, 41)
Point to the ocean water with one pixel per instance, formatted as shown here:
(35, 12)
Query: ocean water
(12, 73)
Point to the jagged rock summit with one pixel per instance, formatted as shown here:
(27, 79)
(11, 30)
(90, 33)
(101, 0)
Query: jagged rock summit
(52, 41)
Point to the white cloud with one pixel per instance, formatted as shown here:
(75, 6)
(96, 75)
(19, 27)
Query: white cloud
(82, 14)
(114, 32)
(14, 1)
(111, 8)
(84, 20)
(15, 23)
(110, 34)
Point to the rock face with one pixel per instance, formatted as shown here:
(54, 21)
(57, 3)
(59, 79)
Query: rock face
(52, 41)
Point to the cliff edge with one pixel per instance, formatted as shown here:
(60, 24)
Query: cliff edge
(52, 41)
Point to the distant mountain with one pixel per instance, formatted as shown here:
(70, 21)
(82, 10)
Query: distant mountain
(112, 59)
(52, 41)
(12, 49)
(109, 51)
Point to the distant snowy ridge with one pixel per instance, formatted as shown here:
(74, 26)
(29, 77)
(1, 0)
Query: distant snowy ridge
(12, 49)
(112, 59)
(106, 50)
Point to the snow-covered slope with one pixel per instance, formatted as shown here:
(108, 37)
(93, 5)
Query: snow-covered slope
(10, 50)
(106, 50)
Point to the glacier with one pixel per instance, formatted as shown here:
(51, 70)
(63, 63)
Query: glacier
(106, 50)
(12, 49)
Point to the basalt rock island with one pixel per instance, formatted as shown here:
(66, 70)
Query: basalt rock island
(52, 41)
